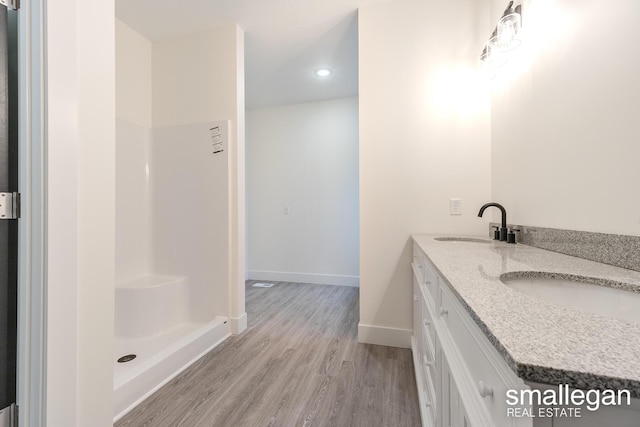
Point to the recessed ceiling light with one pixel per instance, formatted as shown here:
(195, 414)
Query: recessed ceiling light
(323, 72)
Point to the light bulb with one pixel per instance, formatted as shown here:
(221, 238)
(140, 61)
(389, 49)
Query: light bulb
(495, 55)
(508, 31)
(323, 72)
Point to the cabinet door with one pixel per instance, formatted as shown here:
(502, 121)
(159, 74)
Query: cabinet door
(451, 410)
(444, 409)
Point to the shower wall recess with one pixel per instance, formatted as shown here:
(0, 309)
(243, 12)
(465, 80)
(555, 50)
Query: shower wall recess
(177, 291)
(189, 172)
(178, 310)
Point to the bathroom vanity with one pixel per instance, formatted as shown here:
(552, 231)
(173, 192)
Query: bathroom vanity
(478, 344)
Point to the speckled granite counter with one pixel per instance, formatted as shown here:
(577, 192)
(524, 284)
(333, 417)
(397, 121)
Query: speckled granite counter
(542, 342)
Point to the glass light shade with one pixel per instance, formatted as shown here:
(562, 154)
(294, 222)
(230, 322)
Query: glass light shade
(495, 55)
(484, 56)
(509, 31)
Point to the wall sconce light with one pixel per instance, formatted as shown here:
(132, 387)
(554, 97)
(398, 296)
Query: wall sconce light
(495, 54)
(505, 37)
(509, 28)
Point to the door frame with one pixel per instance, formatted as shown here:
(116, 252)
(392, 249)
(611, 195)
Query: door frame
(31, 375)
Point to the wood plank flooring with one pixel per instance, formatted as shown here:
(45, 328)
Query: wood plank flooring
(298, 363)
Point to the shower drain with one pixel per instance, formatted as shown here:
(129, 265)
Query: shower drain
(127, 358)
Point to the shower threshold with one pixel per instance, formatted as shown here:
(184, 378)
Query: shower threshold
(160, 358)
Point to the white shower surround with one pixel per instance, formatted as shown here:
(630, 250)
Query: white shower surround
(162, 335)
(179, 207)
(172, 302)
(151, 305)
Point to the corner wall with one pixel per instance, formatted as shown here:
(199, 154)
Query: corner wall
(199, 78)
(195, 77)
(304, 157)
(133, 133)
(80, 212)
(61, 280)
(133, 76)
(190, 231)
(565, 125)
(424, 138)
(96, 210)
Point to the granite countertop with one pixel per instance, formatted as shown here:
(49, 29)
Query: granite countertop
(541, 341)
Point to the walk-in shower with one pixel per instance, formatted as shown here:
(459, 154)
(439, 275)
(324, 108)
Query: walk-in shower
(172, 293)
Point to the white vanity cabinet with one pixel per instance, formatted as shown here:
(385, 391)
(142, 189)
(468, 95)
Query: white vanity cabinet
(424, 344)
(462, 380)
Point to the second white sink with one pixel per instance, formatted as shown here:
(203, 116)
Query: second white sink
(581, 294)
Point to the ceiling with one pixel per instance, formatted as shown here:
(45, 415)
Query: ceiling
(285, 41)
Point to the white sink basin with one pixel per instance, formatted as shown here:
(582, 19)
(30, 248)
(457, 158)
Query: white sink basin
(461, 239)
(581, 294)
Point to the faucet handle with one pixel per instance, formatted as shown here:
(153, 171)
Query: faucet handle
(496, 232)
(511, 236)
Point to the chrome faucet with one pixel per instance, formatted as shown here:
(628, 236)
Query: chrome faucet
(503, 228)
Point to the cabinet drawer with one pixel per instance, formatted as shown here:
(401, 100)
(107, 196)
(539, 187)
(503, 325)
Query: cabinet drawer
(426, 273)
(428, 337)
(486, 374)
(430, 413)
(430, 281)
(427, 324)
(429, 369)
(418, 263)
(418, 302)
(429, 377)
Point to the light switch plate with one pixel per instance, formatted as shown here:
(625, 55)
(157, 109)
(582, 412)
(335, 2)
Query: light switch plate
(455, 206)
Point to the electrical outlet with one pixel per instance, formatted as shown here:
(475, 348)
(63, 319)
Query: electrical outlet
(455, 206)
(285, 210)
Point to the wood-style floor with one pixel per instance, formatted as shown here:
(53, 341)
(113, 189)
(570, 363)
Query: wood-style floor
(297, 364)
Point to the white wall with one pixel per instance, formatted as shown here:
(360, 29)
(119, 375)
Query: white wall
(305, 157)
(80, 242)
(237, 267)
(199, 78)
(132, 193)
(195, 77)
(133, 76)
(133, 127)
(565, 126)
(96, 210)
(80, 164)
(424, 138)
(61, 200)
(190, 230)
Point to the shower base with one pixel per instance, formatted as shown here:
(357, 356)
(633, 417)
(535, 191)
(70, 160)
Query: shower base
(159, 358)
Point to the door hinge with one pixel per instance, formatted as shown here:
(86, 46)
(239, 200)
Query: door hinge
(9, 205)
(13, 4)
(9, 416)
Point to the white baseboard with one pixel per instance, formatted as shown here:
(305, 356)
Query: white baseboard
(392, 337)
(238, 324)
(319, 279)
